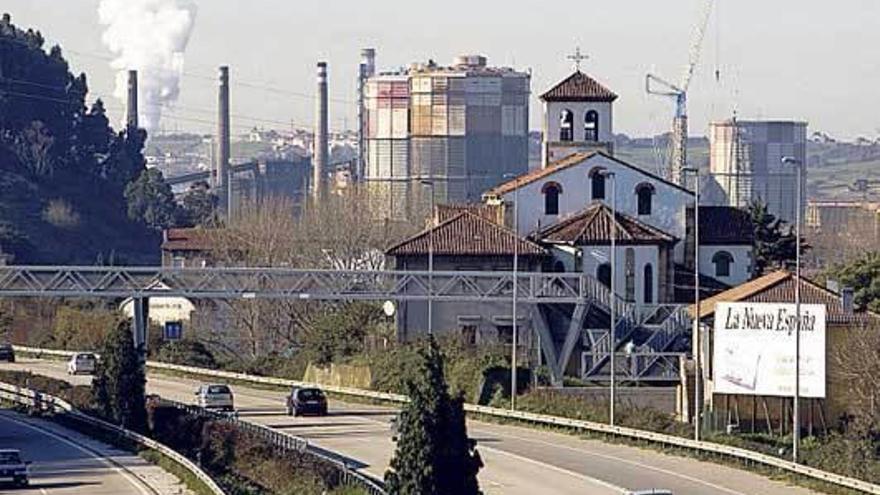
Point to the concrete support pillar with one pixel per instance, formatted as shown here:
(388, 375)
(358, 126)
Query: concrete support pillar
(140, 325)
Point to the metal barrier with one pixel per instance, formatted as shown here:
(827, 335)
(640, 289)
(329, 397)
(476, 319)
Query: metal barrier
(285, 442)
(49, 403)
(648, 436)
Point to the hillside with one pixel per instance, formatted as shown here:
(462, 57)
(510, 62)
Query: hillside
(63, 169)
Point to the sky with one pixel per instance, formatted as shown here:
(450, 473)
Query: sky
(788, 59)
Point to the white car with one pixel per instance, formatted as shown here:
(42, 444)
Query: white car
(82, 363)
(215, 396)
(12, 468)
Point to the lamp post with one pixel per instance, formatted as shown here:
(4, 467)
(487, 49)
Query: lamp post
(796, 426)
(612, 300)
(515, 335)
(430, 185)
(698, 344)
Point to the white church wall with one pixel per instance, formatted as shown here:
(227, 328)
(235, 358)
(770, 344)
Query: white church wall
(740, 269)
(594, 256)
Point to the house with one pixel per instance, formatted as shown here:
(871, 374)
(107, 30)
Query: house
(842, 323)
(186, 248)
(464, 239)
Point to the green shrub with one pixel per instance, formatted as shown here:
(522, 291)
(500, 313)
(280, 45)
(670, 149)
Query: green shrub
(188, 353)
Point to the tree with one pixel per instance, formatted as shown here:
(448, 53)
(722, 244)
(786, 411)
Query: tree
(434, 454)
(200, 206)
(863, 275)
(82, 327)
(775, 241)
(119, 384)
(151, 201)
(340, 332)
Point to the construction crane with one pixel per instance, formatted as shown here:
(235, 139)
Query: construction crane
(658, 86)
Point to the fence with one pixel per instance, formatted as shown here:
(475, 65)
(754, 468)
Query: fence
(284, 443)
(43, 402)
(736, 453)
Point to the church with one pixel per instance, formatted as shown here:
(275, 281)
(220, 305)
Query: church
(565, 216)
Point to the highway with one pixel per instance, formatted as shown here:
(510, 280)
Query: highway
(65, 462)
(519, 460)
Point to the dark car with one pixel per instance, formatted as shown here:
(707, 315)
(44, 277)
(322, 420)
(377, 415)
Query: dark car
(13, 469)
(7, 353)
(306, 401)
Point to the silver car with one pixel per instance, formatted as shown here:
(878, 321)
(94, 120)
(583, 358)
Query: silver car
(215, 396)
(82, 363)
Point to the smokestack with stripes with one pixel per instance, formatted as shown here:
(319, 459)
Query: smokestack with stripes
(221, 168)
(321, 145)
(366, 70)
(131, 107)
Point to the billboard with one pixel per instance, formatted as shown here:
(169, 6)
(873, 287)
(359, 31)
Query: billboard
(754, 349)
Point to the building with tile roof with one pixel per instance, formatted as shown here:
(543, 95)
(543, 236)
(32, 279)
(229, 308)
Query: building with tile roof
(578, 116)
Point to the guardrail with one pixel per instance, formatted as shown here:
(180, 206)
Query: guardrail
(285, 442)
(45, 402)
(737, 453)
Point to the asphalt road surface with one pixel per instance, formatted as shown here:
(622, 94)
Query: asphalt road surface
(518, 460)
(66, 463)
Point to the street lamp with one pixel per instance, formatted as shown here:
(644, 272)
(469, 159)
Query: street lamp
(430, 185)
(515, 335)
(796, 430)
(613, 297)
(698, 375)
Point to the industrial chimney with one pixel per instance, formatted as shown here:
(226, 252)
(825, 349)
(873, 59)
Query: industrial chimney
(221, 168)
(321, 146)
(131, 118)
(366, 70)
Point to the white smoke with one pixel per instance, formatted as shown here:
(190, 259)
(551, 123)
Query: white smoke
(149, 36)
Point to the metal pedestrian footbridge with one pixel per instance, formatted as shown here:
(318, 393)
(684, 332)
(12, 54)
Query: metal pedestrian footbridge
(279, 283)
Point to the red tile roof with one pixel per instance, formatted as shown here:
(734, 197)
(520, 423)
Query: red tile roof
(725, 225)
(778, 287)
(466, 234)
(595, 226)
(567, 162)
(579, 87)
(493, 213)
(186, 240)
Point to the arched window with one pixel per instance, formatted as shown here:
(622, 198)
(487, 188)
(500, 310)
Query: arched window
(630, 272)
(597, 181)
(722, 261)
(551, 191)
(603, 273)
(566, 125)
(645, 193)
(648, 280)
(591, 126)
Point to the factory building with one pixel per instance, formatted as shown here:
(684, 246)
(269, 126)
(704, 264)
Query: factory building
(746, 162)
(462, 127)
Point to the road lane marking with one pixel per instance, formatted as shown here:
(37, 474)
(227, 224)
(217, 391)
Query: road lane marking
(558, 469)
(137, 483)
(626, 461)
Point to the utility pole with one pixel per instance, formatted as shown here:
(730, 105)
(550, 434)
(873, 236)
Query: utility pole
(698, 344)
(796, 426)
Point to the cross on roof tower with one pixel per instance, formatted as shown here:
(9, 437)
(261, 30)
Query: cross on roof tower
(578, 57)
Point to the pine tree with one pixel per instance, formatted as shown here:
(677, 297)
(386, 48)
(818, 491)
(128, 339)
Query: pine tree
(775, 240)
(119, 385)
(434, 455)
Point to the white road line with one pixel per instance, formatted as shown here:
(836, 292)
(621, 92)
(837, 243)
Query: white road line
(558, 469)
(625, 461)
(128, 477)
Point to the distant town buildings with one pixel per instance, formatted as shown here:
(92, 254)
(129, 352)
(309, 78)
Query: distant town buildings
(745, 160)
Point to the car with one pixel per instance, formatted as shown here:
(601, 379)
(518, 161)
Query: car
(12, 468)
(302, 401)
(7, 353)
(82, 363)
(215, 396)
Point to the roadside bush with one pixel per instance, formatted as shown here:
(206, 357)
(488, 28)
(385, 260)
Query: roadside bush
(187, 353)
(80, 396)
